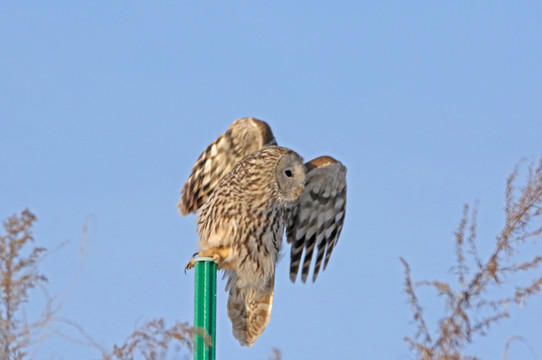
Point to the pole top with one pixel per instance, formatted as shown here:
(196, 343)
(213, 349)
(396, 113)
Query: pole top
(204, 258)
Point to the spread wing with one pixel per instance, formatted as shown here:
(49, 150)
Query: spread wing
(318, 219)
(243, 137)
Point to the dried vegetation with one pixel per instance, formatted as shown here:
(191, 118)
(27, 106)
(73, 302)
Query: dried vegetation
(19, 274)
(471, 306)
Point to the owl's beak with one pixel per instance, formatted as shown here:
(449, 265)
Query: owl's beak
(299, 190)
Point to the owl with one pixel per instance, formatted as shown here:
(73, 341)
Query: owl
(247, 193)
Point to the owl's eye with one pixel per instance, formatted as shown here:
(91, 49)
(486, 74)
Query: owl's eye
(288, 173)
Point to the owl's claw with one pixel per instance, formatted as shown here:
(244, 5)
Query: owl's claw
(190, 264)
(218, 254)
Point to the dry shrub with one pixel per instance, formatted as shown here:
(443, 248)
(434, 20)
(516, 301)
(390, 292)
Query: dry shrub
(470, 296)
(18, 274)
(152, 341)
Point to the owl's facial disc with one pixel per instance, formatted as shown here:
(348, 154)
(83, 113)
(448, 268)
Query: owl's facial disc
(290, 174)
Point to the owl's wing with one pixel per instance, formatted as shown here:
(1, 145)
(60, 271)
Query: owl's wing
(243, 137)
(318, 218)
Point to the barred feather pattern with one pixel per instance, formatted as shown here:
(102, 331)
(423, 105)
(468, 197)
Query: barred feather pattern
(318, 219)
(246, 192)
(243, 137)
(246, 213)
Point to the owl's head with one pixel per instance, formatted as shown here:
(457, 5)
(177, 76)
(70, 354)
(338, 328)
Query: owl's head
(290, 175)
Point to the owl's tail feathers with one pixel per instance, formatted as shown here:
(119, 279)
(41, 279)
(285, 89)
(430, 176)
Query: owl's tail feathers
(249, 310)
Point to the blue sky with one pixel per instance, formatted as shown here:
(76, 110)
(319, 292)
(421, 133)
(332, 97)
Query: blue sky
(105, 106)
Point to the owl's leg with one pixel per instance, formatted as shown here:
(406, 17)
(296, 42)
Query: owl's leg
(219, 254)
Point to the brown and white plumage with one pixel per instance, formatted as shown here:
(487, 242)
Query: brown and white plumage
(249, 310)
(245, 214)
(243, 137)
(246, 199)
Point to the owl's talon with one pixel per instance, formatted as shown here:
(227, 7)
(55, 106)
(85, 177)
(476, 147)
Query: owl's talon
(190, 264)
(217, 254)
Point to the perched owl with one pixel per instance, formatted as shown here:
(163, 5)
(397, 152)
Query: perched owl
(247, 193)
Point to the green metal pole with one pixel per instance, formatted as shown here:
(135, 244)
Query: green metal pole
(204, 309)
